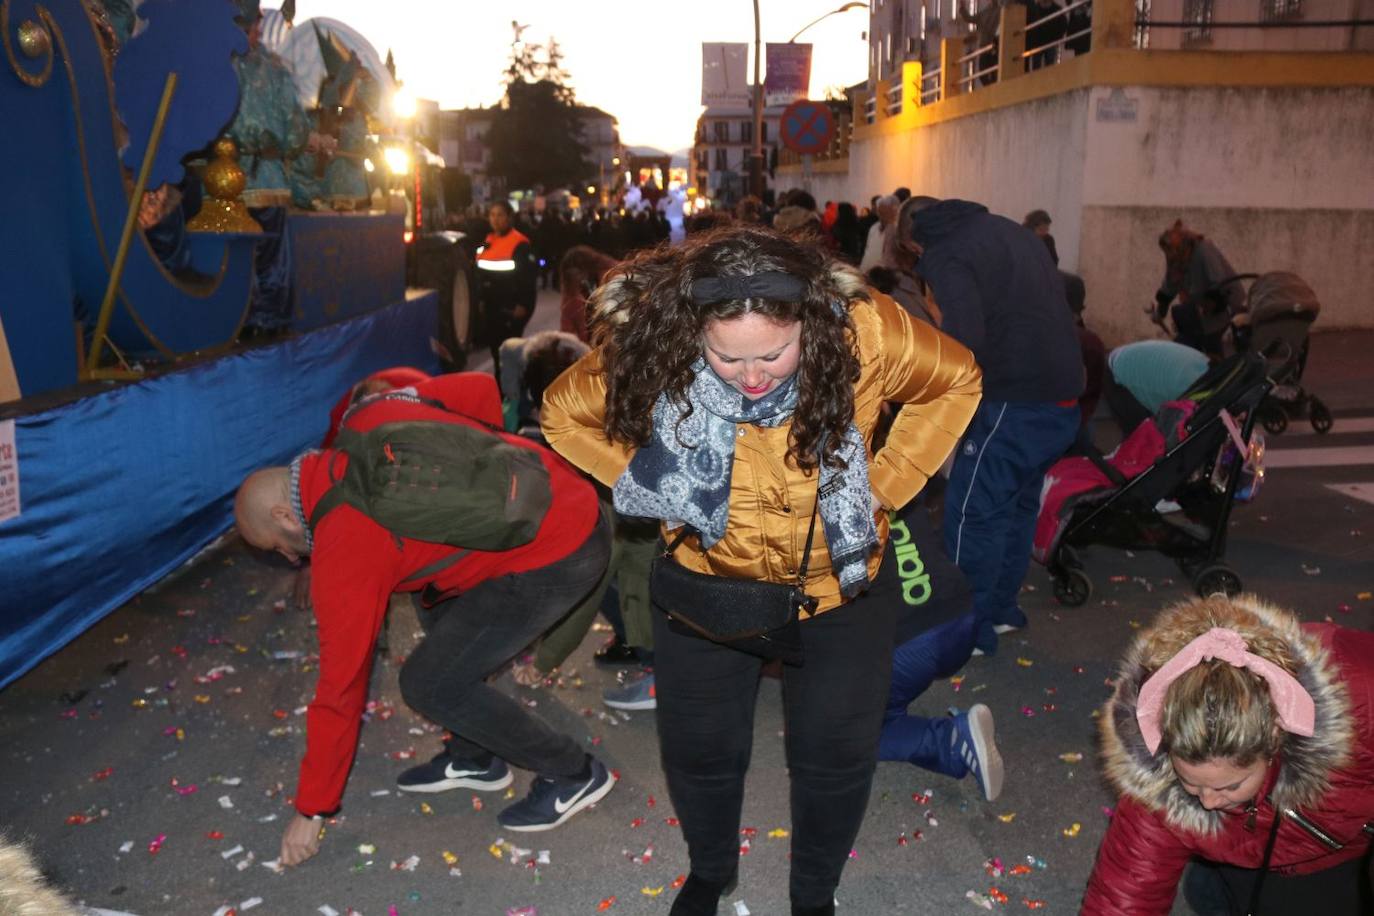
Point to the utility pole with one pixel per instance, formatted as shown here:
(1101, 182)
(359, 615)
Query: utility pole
(756, 157)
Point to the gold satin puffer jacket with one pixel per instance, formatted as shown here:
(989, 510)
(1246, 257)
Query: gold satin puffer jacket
(930, 377)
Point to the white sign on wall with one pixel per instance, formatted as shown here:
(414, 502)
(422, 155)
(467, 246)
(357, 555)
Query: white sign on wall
(9, 473)
(1118, 107)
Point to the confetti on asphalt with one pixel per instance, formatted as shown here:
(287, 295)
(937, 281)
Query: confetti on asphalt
(226, 802)
(1019, 870)
(1311, 570)
(449, 858)
(1024, 662)
(522, 911)
(1036, 862)
(651, 891)
(1007, 818)
(155, 844)
(1072, 831)
(606, 904)
(230, 853)
(678, 881)
(741, 909)
(997, 896)
(410, 864)
(327, 910)
(1071, 757)
(1033, 904)
(127, 846)
(978, 899)
(367, 849)
(777, 833)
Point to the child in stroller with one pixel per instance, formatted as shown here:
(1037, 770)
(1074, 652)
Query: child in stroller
(1169, 486)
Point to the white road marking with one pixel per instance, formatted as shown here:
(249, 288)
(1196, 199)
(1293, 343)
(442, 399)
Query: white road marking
(1318, 457)
(1361, 491)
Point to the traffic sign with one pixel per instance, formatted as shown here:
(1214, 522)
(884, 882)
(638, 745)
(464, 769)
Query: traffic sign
(807, 127)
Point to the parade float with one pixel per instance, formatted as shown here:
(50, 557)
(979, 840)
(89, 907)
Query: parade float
(169, 321)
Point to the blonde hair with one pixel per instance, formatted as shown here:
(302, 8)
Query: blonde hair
(1217, 710)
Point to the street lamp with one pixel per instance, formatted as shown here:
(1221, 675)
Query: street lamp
(856, 4)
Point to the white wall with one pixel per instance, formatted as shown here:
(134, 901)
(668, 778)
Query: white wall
(1012, 160)
(1280, 179)
(1296, 39)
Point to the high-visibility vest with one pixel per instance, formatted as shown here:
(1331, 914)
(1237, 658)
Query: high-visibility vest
(498, 252)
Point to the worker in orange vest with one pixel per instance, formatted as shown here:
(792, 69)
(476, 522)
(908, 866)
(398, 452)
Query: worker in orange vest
(507, 275)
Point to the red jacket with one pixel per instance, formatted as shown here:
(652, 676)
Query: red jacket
(356, 565)
(1328, 779)
(395, 377)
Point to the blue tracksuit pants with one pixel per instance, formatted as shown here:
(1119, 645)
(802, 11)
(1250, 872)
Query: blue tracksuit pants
(937, 653)
(994, 496)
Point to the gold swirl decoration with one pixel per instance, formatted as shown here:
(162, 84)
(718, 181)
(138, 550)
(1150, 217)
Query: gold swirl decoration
(35, 42)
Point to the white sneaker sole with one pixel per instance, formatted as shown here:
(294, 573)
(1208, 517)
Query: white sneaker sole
(462, 782)
(985, 749)
(585, 801)
(650, 703)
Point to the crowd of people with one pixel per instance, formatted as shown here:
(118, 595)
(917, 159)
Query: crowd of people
(728, 450)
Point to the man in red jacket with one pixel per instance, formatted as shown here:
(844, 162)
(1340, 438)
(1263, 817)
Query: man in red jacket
(490, 605)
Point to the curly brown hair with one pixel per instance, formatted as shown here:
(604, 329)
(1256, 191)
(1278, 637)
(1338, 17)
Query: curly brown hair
(650, 332)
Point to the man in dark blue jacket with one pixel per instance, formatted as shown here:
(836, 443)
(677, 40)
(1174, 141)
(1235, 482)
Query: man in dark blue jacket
(1003, 298)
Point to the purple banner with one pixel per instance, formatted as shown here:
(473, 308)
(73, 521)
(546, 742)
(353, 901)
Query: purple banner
(789, 73)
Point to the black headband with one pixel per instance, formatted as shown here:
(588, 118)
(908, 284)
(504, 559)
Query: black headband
(770, 284)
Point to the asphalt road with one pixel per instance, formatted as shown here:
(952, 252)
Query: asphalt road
(176, 725)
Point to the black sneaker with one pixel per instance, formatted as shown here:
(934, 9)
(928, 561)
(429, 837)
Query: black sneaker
(445, 772)
(552, 801)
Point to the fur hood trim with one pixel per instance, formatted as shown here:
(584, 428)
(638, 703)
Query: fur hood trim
(1305, 764)
(612, 300)
(23, 891)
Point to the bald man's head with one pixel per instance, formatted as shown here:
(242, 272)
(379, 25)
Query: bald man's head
(264, 517)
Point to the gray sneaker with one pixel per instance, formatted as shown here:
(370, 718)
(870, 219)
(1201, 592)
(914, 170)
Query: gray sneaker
(634, 694)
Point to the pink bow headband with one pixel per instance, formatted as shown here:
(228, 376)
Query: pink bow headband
(1293, 705)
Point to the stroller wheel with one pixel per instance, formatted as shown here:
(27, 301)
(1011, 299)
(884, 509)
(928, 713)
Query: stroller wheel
(1274, 419)
(1320, 416)
(1217, 580)
(1073, 588)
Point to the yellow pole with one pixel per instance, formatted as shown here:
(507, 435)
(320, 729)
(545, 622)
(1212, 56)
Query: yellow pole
(102, 324)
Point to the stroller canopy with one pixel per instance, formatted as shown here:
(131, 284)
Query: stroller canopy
(1281, 294)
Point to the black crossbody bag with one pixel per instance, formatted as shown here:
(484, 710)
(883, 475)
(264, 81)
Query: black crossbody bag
(760, 618)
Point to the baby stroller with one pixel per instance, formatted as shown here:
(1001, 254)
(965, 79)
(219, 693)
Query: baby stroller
(1280, 310)
(1168, 487)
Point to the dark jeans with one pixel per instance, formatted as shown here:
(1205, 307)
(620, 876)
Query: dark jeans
(937, 653)
(1225, 890)
(833, 710)
(474, 635)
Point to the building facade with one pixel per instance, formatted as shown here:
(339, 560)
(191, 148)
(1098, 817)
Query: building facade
(723, 143)
(463, 143)
(1269, 153)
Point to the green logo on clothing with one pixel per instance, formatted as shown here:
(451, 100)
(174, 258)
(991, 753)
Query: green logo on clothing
(910, 568)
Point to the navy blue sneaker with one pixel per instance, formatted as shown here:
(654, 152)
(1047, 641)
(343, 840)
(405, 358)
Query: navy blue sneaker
(972, 741)
(551, 801)
(445, 772)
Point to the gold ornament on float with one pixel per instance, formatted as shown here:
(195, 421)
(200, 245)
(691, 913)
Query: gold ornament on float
(34, 40)
(224, 181)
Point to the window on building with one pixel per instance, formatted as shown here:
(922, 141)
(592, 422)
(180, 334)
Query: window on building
(722, 159)
(1198, 13)
(1274, 10)
(1142, 24)
(722, 131)
(763, 132)
(746, 132)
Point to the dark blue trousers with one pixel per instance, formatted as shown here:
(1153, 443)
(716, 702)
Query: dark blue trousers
(937, 653)
(994, 496)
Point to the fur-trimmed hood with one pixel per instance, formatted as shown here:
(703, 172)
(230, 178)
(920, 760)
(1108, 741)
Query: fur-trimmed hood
(1304, 765)
(611, 301)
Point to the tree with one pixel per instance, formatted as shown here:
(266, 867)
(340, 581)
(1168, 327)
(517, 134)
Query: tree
(536, 134)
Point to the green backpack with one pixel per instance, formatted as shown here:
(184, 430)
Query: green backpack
(446, 483)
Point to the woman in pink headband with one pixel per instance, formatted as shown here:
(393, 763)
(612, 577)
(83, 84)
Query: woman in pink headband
(1242, 741)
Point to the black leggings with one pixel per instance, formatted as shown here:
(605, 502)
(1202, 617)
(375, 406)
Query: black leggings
(833, 709)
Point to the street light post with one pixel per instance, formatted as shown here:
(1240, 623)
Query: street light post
(853, 5)
(756, 156)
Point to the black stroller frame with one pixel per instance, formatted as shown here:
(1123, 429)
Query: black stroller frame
(1196, 535)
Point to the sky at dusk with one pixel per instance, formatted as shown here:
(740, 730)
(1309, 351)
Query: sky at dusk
(636, 60)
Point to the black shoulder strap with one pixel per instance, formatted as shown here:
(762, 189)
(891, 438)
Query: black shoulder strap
(1253, 908)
